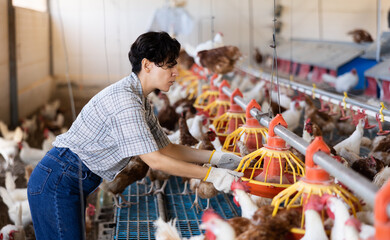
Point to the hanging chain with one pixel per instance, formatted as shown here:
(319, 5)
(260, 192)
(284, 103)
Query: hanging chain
(274, 70)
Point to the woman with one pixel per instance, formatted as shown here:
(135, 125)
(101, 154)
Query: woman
(115, 125)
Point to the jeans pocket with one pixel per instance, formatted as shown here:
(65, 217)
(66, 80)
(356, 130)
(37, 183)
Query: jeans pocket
(74, 172)
(38, 179)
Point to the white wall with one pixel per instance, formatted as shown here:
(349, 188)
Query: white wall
(85, 35)
(32, 53)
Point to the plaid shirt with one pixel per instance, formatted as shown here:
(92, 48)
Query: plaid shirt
(115, 125)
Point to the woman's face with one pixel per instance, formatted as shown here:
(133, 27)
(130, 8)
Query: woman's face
(164, 77)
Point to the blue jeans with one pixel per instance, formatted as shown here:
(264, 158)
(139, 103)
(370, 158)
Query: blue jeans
(57, 205)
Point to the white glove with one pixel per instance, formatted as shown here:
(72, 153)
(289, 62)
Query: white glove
(224, 160)
(222, 178)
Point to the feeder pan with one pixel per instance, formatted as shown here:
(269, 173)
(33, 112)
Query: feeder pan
(251, 133)
(220, 105)
(207, 97)
(381, 131)
(230, 120)
(343, 116)
(280, 169)
(316, 182)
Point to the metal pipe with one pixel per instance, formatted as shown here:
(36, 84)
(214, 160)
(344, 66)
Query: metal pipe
(160, 203)
(360, 186)
(334, 98)
(13, 76)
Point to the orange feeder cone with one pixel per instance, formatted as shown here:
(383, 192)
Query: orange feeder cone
(251, 133)
(382, 221)
(280, 167)
(316, 182)
(208, 96)
(230, 120)
(219, 106)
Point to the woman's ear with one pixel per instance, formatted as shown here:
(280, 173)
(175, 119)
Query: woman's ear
(146, 65)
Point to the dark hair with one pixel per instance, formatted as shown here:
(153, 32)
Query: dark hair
(157, 47)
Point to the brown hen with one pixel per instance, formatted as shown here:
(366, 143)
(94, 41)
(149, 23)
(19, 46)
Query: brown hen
(323, 120)
(135, 170)
(167, 116)
(220, 60)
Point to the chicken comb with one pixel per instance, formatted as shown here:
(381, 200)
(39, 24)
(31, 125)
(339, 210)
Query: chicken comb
(354, 222)
(325, 201)
(240, 185)
(314, 202)
(308, 120)
(210, 214)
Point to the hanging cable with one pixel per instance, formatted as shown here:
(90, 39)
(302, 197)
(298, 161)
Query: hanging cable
(274, 69)
(66, 62)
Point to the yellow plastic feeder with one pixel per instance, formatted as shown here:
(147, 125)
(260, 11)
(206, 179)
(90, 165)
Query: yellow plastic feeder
(251, 133)
(275, 168)
(208, 96)
(219, 106)
(230, 120)
(316, 182)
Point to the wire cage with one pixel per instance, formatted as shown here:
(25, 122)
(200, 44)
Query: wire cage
(251, 133)
(272, 168)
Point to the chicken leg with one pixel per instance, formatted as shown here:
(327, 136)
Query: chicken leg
(185, 190)
(196, 202)
(162, 188)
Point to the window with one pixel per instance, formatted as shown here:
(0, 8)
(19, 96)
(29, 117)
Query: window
(38, 5)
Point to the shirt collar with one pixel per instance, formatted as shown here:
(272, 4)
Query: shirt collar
(134, 81)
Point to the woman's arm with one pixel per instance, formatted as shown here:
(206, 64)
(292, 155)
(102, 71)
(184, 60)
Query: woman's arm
(187, 154)
(160, 161)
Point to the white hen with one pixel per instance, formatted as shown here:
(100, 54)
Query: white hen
(314, 227)
(30, 155)
(168, 231)
(292, 116)
(49, 111)
(50, 137)
(344, 82)
(257, 92)
(15, 206)
(15, 135)
(9, 150)
(341, 214)
(248, 207)
(352, 143)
